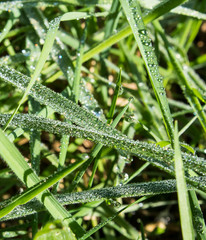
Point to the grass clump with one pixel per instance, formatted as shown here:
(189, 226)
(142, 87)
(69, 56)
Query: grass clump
(90, 91)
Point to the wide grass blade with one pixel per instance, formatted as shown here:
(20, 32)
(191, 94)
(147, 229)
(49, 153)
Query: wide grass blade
(162, 158)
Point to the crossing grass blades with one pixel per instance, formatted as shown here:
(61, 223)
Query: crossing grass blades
(103, 123)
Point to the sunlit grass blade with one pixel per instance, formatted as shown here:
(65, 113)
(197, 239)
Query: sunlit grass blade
(22, 170)
(162, 158)
(125, 191)
(182, 192)
(133, 14)
(181, 10)
(38, 188)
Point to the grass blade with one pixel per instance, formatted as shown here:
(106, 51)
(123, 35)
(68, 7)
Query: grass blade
(132, 11)
(183, 198)
(50, 37)
(38, 188)
(22, 170)
(186, 85)
(125, 191)
(162, 158)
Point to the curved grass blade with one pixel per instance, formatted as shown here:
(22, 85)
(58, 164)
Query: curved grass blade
(133, 14)
(182, 192)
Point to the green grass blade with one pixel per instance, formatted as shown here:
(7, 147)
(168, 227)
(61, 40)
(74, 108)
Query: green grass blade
(50, 37)
(38, 188)
(77, 77)
(198, 218)
(128, 190)
(133, 13)
(127, 30)
(177, 9)
(162, 158)
(183, 198)
(22, 170)
(162, 8)
(14, 15)
(114, 99)
(185, 83)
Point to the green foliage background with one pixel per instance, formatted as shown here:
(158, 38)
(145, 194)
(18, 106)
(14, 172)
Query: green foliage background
(92, 94)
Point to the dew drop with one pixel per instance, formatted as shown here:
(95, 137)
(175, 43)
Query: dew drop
(143, 31)
(26, 52)
(41, 41)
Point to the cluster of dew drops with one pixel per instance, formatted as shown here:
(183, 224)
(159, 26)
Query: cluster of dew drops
(148, 48)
